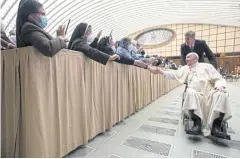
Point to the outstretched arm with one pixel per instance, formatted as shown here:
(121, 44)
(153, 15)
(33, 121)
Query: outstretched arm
(166, 74)
(179, 74)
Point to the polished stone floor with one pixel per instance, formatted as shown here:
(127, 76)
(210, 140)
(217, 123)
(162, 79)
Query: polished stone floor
(157, 131)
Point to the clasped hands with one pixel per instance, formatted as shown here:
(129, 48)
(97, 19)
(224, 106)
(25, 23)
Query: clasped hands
(220, 89)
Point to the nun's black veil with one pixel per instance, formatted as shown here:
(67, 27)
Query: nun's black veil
(78, 33)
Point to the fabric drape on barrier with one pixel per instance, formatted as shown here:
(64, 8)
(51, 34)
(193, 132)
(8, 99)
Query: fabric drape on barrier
(10, 106)
(50, 106)
(53, 104)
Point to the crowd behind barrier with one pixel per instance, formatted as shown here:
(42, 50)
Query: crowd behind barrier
(50, 106)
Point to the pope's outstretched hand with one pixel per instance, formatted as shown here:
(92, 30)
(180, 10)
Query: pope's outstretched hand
(155, 70)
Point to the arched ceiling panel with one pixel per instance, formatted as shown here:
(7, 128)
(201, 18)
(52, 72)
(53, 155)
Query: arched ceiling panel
(128, 16)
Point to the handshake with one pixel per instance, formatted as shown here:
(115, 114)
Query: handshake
(155, 70)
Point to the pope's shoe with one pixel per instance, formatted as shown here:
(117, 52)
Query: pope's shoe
(196, 129)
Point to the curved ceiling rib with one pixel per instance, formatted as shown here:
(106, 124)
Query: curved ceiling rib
(69, 16)
(128, 16)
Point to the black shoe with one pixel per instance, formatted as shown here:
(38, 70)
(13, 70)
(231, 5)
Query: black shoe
(196, 129)
(219, 129)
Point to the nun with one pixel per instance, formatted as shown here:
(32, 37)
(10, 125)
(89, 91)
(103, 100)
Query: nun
(81, 41)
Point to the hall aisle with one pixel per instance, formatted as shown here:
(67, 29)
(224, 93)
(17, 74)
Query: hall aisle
(157, 131)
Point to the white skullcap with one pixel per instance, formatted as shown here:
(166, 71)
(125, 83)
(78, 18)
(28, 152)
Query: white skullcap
(194, 54)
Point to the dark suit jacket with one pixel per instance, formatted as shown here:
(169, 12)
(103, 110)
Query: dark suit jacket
(33, 35)
(94, 54)
(200, 48)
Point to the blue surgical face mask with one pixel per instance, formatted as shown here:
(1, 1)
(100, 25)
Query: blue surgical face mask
(44, 21)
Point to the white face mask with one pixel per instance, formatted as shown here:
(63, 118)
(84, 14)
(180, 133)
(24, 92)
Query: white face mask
(90, 39)
(130, 47)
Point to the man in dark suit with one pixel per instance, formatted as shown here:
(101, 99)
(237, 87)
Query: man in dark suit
(198, 46)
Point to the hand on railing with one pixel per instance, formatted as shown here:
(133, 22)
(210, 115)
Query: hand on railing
(139, 63)
(114, 57)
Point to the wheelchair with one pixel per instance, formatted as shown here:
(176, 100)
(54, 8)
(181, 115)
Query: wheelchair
(187, 122)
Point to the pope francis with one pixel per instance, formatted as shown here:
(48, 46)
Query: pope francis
(206, 100)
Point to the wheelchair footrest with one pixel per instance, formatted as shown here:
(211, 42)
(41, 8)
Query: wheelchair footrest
(222, 136)
(189, 132)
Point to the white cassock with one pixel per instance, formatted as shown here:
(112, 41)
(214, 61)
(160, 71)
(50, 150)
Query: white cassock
(201, 96)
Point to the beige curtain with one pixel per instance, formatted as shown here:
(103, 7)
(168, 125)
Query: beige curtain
(50, 106)
(10, 104)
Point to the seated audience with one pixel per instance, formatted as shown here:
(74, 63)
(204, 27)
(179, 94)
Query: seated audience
(106, 44)
(157, 62)
(31, 21)
(79, 42)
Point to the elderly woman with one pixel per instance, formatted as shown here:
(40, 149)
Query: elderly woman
(79, 42)
(124, 50)
(31, 21)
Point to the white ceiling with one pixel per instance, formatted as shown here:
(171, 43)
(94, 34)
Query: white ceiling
(128, 16)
